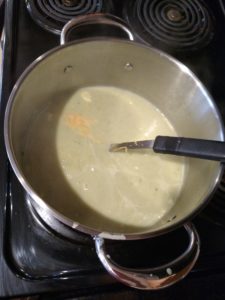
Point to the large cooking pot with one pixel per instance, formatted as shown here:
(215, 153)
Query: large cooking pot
(154, 75)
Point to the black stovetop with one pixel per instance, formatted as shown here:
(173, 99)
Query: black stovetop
(36, 260)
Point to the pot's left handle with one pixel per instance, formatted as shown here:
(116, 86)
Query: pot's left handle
(93, 19)
(153, 278)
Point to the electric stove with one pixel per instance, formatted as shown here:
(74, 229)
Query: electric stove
(35, 259)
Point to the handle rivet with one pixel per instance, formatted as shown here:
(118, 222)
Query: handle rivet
(68, 69)
(128, 66)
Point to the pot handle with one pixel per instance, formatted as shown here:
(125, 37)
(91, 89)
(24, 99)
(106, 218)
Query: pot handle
(153, 278)
(93, 19)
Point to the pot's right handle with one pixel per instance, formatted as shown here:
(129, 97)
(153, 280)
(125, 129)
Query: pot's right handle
(153, 278)
(93, 19)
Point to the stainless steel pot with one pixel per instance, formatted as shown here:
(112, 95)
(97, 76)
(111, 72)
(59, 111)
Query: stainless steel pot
(154, 75)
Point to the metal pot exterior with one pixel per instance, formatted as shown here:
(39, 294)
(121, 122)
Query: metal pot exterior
(168, 84)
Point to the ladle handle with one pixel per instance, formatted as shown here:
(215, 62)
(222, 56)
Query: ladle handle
(153, 278)
(95, 19)
(199, 148)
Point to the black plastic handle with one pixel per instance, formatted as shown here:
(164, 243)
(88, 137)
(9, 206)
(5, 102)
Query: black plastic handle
(199, 148)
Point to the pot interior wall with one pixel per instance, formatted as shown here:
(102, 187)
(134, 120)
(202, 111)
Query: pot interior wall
(167, 84)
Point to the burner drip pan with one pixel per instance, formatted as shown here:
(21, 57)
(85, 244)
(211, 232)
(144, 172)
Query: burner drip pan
(52, 15)
(171, 25)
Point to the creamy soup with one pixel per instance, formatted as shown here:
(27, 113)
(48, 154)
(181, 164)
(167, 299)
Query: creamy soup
(68, 163)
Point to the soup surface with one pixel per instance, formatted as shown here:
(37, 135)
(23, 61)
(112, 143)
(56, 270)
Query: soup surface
(68, 163)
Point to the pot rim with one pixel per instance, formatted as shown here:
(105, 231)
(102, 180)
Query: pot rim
(65, 220)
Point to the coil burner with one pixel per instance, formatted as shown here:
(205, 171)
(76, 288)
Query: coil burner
(171, 25)
(52, 15)
(215, 211)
